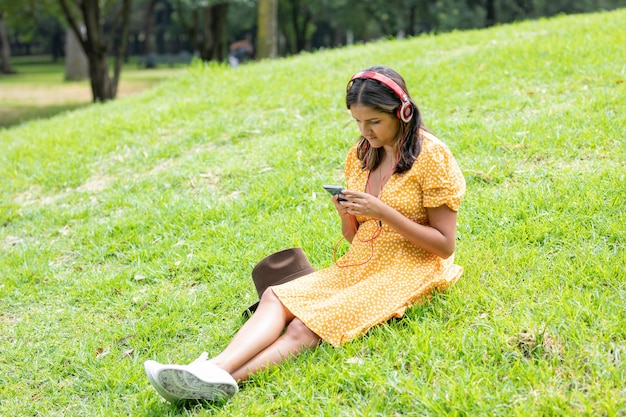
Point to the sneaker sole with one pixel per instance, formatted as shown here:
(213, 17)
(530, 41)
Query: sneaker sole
(185, 385)
(153, 378)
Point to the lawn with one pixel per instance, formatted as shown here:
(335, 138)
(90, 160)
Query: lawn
(38, 89)
(129, 230)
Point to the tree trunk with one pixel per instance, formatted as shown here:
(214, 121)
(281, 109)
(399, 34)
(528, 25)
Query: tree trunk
(300, 21)
(267, 22)
(207, 40)
(121, 48)
(5, 49)
(410, 24)
(149, 31)
(207, 30)
(218, 28)
(96, 45)
(76, 64)
(490, 19)
(101, 83)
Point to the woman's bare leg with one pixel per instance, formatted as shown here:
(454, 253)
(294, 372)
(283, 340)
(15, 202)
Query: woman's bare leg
(296, 338)
(260, 331)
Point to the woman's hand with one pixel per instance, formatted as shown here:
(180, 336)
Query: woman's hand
(341, 208)
(362, 204)
(348, 221)
(437, 237)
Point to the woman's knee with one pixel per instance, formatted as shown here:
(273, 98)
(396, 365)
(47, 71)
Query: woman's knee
(269, 296)
(298, 331)
(270, 301)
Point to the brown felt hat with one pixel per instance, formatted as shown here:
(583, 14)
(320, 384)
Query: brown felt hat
(278, 268)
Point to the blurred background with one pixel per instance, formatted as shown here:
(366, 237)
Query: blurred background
(49, 44)
(167, 31)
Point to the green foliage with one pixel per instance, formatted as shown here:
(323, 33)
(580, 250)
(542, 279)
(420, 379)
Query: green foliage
(129, 229)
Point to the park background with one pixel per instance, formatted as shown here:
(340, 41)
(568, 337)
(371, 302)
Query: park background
(96, 38)
(129, 229)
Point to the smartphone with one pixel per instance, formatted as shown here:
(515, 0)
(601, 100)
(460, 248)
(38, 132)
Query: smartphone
(334, 190)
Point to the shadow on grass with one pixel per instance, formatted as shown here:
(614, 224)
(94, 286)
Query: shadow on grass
(14, 116)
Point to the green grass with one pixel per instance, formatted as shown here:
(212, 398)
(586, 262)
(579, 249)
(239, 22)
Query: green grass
(37, 90)
(129, 230)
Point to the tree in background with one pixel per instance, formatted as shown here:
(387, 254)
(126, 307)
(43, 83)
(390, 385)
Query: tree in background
(97, 43)
(22, 18)
(274, 27)
(331, 23)
(148, 18)
(267, 15)
(205, 24)
(5, 49)
(298, 22)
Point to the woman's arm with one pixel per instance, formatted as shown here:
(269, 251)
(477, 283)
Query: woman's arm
(348, 221)
(438, 238)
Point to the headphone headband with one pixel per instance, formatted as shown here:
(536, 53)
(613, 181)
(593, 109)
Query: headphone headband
(405, 112)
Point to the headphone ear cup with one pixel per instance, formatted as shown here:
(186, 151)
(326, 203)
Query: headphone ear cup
(405, 112)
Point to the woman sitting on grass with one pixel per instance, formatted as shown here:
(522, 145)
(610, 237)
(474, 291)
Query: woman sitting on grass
(399, 213)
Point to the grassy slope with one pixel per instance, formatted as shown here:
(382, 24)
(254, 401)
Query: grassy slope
(37, 90)
(129, 229)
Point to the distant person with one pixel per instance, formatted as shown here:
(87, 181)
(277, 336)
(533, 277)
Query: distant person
(399, 213)
(240, 52)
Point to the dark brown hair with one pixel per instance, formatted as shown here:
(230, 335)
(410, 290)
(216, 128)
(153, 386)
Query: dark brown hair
(378, 96)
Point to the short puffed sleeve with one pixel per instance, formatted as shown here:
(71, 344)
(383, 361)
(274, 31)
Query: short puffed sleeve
(442, 179)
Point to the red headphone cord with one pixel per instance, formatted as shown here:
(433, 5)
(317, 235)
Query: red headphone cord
(379, 228)
(370, 240)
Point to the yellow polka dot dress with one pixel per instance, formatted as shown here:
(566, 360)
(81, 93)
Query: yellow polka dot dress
(377, 279)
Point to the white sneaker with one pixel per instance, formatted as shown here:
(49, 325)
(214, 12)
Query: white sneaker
(203, 358)
(200, 380)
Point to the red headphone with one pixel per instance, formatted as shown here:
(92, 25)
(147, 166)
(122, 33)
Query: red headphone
(405, 111)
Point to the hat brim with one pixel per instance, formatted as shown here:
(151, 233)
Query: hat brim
(269, 271)
(248, 312)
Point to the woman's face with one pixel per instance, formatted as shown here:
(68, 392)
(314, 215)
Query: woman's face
(379, 128)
